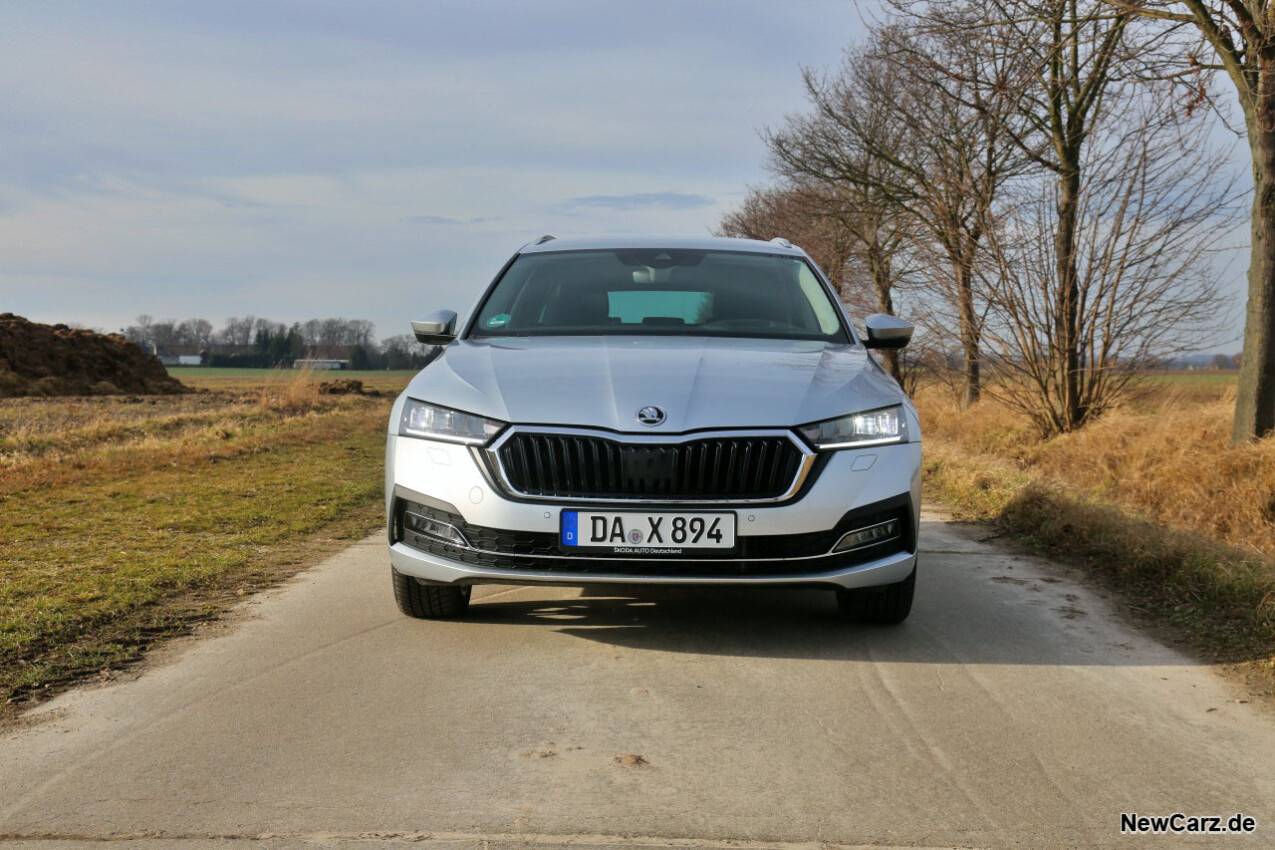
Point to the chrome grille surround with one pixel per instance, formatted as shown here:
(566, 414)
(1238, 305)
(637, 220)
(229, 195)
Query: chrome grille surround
(805, 461)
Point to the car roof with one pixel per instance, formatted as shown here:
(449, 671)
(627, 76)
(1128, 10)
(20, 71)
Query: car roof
(703, 243)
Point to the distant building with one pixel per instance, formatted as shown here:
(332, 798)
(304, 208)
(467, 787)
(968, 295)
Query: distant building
(321, 364)
(181, 359)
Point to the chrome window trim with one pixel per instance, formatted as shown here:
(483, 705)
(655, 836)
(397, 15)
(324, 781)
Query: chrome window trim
(808, 456)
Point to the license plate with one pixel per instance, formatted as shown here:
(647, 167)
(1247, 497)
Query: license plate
(639, 533)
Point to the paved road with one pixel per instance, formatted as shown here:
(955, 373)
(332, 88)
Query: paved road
(1012, 709)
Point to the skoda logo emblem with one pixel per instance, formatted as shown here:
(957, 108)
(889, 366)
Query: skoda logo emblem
(650, 415)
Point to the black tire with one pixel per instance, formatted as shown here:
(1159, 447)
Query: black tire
(430, 601)
(882, 606)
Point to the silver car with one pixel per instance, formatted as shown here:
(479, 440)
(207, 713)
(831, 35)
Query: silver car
(673, 412)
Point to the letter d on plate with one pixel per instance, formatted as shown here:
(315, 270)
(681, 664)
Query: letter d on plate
(570, 535)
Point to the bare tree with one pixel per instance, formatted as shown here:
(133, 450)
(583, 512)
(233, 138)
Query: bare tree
(332, 337)
(1068, 57)
(311, 331)
(812, 154)
(359, 332)
(766, 213)
(1139, 285)
(165, 336)
(853, 234)
(140, 333)
(264, 329)
(879, 263)
(1241, 34)
(195, 334)
(238, 331)
(902, 122)
(404, 352)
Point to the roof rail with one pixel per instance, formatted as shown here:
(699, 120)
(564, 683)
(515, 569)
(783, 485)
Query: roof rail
(781, 242)
(548, 237)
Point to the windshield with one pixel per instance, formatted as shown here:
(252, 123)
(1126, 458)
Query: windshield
(657, 291)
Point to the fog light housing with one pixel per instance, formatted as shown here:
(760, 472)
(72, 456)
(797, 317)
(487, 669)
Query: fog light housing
(867, 536)
(429, 527)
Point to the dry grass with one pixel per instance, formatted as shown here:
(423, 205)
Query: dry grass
(297, 393)
(1169, 460)
(124, 520)
(1152, 496)
(1177, 469)
(253, 380)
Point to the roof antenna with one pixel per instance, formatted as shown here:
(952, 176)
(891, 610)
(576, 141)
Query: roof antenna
(778, 240)
(548, 237)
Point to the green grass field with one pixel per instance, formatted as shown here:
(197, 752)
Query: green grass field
(1154, 389)
(124, 520)
(1197, 378)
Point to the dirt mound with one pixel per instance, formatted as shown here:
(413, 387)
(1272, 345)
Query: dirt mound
(348, 386)
(342, 386)
(40, 360)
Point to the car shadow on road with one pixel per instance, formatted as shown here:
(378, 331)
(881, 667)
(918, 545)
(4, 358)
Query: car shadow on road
(949, 624)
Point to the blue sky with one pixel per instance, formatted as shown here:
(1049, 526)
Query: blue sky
(369, 160)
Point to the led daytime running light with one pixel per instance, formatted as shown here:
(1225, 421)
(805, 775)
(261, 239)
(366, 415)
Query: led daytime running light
(442, 423)
(870, 428)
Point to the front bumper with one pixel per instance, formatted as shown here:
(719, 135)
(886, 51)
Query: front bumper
(514, 541)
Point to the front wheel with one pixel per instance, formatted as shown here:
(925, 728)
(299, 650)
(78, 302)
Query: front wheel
(885, 605)
(430, 601)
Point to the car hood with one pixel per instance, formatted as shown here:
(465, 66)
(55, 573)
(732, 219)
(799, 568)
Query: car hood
(699, 382)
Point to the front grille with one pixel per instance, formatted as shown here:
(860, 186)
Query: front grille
(568, 466)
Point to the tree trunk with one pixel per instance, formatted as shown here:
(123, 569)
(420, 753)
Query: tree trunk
(1066, 343)
(969, 333)
(891, 364)
(881, 279)
(1255, 402)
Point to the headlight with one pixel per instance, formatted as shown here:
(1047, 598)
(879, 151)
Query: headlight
(870, 428)
(442, 423)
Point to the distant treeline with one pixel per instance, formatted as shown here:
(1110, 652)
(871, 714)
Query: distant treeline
(254, 342)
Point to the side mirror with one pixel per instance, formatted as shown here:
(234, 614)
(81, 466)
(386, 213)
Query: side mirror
(888, 332)
(438, 328)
